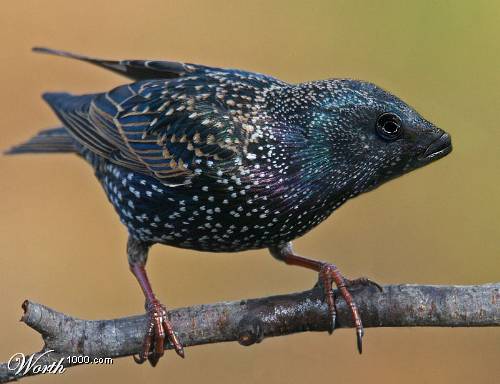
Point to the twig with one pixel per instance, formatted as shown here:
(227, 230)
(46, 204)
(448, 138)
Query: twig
(250, 321)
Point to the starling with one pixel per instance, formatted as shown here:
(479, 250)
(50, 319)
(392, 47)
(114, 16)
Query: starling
(225, 160)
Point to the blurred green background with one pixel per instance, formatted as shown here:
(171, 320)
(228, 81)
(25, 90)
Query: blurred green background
(62, 244)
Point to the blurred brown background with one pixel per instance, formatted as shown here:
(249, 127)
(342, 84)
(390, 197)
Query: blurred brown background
(62, 244)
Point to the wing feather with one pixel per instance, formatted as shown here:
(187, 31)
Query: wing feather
(133, 69)
(172, 129)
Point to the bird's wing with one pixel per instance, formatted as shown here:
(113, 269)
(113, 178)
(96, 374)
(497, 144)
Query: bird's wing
(135, 69)
(176, 129)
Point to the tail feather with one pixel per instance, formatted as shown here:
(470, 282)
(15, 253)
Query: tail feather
(56, 140)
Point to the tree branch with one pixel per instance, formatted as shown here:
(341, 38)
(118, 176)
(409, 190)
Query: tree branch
(250, 321)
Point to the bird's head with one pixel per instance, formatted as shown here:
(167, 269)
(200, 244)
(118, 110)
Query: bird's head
(371, 136)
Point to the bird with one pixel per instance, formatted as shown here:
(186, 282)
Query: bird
(226, 160)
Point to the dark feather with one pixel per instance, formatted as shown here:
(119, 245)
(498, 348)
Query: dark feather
(134, 69)
(50, 140)
(171, 129)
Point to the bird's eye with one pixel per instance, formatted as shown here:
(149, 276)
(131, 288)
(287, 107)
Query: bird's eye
(389, 126)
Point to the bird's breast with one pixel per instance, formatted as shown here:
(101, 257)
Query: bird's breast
(209, 215)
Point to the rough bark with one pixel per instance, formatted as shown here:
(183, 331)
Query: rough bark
(250, 321)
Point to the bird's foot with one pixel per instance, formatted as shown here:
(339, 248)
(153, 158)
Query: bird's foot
(159, 328)
(329, 274)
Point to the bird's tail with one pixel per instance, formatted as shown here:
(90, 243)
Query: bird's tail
(55, 140)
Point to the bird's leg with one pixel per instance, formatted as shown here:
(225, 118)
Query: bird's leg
(328, 275)
(159, 325)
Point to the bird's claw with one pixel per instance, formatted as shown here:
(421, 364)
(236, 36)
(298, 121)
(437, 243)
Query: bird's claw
(359, 339)
(329, 275)
(159, 328)
(363, 281)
